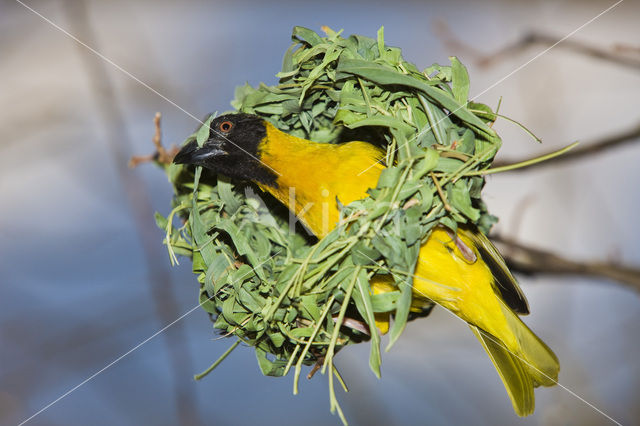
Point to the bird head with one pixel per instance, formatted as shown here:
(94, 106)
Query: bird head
(231, 149)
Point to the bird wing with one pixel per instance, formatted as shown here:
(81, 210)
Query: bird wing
(506, 283)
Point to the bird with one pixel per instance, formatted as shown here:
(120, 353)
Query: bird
(461, 271)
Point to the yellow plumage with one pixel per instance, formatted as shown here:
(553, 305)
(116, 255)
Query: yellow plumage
(313, 177)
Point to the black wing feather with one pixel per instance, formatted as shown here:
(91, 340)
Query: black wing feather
(505, 282)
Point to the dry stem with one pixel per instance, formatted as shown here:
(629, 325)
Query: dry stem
(624, 55)
(532, 261)
(162, 155)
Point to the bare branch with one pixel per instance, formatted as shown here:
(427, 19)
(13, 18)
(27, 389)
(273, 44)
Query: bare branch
(534, 261)
(610, 55)
(626, 48)
(624, 55)
(583, 150)
(161, 155)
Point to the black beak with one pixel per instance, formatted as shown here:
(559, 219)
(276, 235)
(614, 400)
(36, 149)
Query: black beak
(191, 153)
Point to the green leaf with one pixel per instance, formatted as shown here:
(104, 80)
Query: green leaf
(242, 245)
(204, 131)
(198, 229)
(361, 254)
(475, 191)
(250, 300)
(215, 269)
(232, 204)
(427, 164)
(206, 302)
(362, 297)
(198, 263)
(161, 221)
(403, 306)
(449, 223)
(459, 81)
(411, 233)
(435, 119)
(409, 188)
(381, 120)
(310, 305)
(448, 165)
(306, 35)
(458, 196)
(269, 368)
(380, 39)
(438, 72)
(341, 277)
(385, 75)
(389, 177)
(287, 60)
(384, 302)
(391, 246)
(277, 339)
(302, 332)
(427, 195)
(466, 143)
(483, 111)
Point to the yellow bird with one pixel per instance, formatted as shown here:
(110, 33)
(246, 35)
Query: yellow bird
(463, 272)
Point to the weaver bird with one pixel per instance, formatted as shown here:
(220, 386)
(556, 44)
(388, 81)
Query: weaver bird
(461, 271)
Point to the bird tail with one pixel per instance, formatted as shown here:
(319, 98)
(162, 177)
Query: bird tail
(527, 364)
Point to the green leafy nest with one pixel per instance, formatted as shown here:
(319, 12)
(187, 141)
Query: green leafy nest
(283, 293)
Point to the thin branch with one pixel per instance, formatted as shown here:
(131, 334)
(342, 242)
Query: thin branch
(161, 155)
(534, 261)
(626, 48)
(583, 150)
(609, 55)
(619, 54)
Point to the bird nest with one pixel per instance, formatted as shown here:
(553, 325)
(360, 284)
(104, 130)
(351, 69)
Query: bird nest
(298, 300)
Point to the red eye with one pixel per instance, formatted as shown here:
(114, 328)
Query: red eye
(225, 126)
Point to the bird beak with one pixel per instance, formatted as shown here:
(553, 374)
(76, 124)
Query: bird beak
(191, 153)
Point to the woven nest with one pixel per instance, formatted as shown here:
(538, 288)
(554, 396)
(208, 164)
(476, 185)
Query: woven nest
(283, 293)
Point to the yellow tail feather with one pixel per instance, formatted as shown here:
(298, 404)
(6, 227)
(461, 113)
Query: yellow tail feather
(517, 380)
(542, 363)
(522, 368)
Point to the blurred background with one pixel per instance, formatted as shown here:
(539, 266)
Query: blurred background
(85, 278)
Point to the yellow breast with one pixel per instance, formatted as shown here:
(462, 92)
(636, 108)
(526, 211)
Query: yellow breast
(315, 177)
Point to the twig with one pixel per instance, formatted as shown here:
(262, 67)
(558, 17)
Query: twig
(446, 205)
(315, 368)
(162, 155)
(582, 150)
(622, 56)
(533, 261)
(626, 48)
